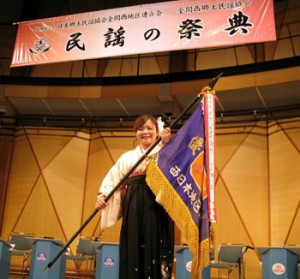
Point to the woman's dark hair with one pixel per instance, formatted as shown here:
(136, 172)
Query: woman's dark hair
(141, 120)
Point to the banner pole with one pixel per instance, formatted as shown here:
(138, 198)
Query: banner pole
(209, 87)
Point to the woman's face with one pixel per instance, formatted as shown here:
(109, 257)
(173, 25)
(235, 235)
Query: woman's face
(146, 134)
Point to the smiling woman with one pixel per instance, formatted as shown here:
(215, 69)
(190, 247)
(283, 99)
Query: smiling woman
(147, 230)
(146, 129)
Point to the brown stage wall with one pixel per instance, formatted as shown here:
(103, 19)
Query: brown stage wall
(55, 175)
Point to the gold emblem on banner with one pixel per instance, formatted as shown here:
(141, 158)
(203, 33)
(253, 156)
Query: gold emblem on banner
(195, 144)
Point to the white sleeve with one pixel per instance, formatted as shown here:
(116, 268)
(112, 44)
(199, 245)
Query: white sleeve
(116, 173)
(112, 212)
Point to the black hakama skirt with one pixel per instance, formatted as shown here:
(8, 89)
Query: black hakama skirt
(147, 234)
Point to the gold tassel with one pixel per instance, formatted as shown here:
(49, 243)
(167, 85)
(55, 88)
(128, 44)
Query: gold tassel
(170, 199)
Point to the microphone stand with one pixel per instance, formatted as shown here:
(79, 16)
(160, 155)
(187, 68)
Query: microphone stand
(207, 88)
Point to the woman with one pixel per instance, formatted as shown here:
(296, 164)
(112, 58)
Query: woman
(147, 232)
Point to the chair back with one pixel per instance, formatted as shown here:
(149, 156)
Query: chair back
(86, 247)
(20, 242)
(230, 252)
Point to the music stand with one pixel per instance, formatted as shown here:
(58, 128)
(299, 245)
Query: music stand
(107, 263)
(183, 267)
(278, 262)
(294, 249)
(5, 256)
(43, 249)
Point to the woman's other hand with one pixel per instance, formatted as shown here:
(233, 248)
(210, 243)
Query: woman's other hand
(165, 135)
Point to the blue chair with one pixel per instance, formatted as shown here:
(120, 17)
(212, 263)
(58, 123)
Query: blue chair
(230, 256)
(21, 247)
(85, 252)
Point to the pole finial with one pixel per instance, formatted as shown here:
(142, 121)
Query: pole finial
(215, 80)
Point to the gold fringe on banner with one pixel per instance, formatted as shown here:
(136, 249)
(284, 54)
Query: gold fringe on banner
(179, 212)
